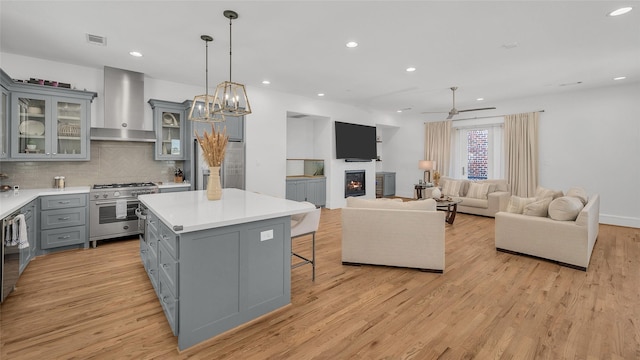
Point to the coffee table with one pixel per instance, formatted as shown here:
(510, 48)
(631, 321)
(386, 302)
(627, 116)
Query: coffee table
(451, 207)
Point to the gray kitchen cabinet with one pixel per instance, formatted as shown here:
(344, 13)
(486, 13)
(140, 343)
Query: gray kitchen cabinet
(312, 190)
(385, 184)
(163, 190)
(49, 123)
(212, 280)
(170, 124)
(63, 222)
(5, 80)
(30, 216)
(149, 249)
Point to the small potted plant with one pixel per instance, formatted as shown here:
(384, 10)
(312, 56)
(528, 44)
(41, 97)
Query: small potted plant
(178, 175)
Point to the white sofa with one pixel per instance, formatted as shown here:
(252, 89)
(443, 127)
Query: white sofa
(495, 199)
(393, 233)
(568, 242)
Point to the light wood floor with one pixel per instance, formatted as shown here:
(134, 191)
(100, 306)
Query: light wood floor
(99, 304)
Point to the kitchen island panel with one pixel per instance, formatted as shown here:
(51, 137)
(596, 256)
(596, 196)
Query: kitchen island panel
(230, 276)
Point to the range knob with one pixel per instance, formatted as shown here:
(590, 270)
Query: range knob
(96, 196)
(105, 195)
(117, 193)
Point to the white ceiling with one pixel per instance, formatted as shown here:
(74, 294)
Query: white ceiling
(300, 46)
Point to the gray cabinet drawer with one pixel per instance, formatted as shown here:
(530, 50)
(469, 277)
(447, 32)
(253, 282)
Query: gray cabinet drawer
(152, 223)
(63, 201)
(63, 237)
(169, 267)
(169, 303)
(53, 219)
(169, 239)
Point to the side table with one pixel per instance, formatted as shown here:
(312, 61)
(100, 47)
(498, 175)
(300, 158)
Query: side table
(419, 193)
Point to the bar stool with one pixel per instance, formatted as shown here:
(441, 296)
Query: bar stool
(301, 225)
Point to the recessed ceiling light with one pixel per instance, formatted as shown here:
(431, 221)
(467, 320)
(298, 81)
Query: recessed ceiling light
(411, 69)
(320, 94)
(479, 99)
(352, 44)
(619, 78)
(135, 53)
(620, 11)
(266, 82)
(399, 111)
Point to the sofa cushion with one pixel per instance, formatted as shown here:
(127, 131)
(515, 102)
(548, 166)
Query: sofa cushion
(542, 192)
(500, 185)
(565, 208)
(425, 205)
(472, 202)
(369, 203)
(517, 204)
(453, 188)
(579, 193)
(538, 207)
(478, 190)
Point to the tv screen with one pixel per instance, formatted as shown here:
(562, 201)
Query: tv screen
(355, 142)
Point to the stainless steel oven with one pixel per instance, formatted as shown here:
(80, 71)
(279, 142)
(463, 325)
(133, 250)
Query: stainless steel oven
(112, 210)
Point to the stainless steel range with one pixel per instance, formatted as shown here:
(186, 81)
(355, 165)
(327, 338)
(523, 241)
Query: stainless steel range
(113, 207)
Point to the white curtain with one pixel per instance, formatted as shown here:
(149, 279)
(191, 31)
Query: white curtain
(521, 153)
(437, 145)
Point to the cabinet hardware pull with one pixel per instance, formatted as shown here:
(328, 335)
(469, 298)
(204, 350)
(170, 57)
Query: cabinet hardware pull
(64, 218)
(164, 299)
(165, 266)
(64, 237)
(64, 202)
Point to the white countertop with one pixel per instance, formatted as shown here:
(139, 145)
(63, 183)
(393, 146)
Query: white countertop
(11, 201)
(193, 211)
(173, 185)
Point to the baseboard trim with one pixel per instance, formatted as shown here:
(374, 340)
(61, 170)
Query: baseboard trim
(625, 221)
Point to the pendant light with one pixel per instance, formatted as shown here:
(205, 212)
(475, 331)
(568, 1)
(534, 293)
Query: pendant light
(203, 105)
(231, 98)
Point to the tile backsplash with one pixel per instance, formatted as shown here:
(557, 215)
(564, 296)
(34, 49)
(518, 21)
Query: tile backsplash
(111, 162)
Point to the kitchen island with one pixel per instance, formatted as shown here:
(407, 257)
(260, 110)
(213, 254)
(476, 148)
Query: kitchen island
(217, 264)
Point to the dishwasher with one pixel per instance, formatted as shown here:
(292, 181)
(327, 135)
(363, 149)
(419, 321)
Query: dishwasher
(10, 258)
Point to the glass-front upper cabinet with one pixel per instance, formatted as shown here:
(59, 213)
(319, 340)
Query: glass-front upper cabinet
(169, 119)
(4, 124)
(50, 127)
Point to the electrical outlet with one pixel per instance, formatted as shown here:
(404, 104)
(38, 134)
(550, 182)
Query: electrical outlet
(266, 235)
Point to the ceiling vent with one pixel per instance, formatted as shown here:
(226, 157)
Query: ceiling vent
(297, 116)
(97, 40)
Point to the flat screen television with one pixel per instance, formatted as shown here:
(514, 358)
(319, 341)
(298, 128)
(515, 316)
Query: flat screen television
(355, 142)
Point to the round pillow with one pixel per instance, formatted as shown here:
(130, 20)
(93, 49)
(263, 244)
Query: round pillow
(565, 208)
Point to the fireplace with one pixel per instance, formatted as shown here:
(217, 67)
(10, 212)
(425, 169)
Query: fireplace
(354, 183)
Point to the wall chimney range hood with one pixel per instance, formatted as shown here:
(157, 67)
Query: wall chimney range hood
(123, 108)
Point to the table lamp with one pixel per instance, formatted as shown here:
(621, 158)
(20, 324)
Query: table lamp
(427, 166)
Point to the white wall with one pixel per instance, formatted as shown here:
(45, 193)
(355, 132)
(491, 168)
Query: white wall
(588, 138)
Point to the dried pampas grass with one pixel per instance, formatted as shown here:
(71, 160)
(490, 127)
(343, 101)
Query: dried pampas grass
(213, 145)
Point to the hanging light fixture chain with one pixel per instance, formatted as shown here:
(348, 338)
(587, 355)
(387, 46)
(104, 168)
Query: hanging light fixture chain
(230, 62)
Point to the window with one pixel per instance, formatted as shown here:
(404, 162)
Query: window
(478, 149)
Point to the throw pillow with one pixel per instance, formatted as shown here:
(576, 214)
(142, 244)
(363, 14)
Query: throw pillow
(517, 204)
(565, 208)
(542, 193)
(579, 193)
(478, 190)
(538, 208)
(452, 188)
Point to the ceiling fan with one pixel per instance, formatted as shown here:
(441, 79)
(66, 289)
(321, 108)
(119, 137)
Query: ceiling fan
(455, 111)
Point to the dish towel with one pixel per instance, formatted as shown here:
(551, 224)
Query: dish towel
(121, 209)
(19, 236)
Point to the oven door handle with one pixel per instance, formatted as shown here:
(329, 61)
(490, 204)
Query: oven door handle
(113, 202)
